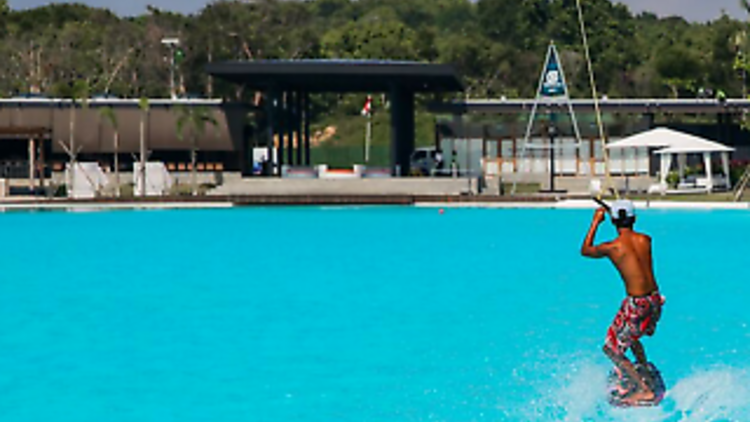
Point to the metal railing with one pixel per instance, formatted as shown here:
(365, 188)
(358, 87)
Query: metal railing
(742, 184)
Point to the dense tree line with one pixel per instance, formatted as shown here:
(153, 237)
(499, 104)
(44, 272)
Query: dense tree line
(497, 45)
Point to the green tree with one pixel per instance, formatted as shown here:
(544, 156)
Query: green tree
(519, 23)
(332, 9)
(4, 12)
(379, 35)
(498, 45)
(79, 95)
(468, 53)
(454, 16)
(724, 40)
(680, 70)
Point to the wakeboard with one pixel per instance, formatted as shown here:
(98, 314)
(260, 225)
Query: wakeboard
(621, 386)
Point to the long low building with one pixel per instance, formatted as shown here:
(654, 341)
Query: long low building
(52, 127)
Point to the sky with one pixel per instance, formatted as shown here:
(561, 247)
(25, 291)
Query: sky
(693, 10)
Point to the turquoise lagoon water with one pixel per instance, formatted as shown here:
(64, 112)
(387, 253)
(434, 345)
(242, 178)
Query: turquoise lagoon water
(359, 314)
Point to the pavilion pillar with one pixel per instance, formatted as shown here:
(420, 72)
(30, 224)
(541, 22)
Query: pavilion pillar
(709, 171)
(459, 132)
(438, 135)
(298, 126)
(665, 164)
(291, 125)
(308, 115)
(271, 99)
(281, 133)
(402, 130)
(32, 164)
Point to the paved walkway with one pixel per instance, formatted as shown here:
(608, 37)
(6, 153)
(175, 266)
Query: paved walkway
(406, 186)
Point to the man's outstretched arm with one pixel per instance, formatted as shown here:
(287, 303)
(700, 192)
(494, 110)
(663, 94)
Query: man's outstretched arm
(588, 249)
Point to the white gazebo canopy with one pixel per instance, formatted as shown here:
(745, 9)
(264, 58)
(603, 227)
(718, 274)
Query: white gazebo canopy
(671, 143)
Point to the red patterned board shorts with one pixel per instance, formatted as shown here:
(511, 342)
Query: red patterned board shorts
(637, 317)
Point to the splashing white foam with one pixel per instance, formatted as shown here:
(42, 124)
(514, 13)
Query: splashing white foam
(717, 394)
(576, 392)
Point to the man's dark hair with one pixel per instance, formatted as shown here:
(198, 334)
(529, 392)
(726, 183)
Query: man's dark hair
(622, 221)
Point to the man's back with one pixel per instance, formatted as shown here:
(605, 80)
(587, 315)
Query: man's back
(631, 255)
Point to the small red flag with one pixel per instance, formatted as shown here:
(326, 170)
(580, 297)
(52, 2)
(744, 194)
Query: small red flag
(367, 109)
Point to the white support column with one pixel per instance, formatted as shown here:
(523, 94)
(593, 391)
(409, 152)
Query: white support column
(709, 173)
(666, 163)
(681, 164)
(42, 164)
(725, 164)
(32, 163)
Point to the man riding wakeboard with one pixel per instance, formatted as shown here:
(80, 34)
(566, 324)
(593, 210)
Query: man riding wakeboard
(640, 311)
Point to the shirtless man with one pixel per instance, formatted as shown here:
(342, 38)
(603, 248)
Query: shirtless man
(640, 311)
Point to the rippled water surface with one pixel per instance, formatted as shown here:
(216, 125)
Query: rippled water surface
(357, 314)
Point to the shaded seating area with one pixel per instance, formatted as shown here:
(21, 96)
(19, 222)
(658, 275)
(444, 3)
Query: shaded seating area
(29, 160)
(673, 146)
(284, 123)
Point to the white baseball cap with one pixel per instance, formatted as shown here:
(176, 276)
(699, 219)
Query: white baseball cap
(623, 205)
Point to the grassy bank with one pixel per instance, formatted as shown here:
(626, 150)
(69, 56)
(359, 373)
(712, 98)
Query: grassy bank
(347, 144)
(712, 197)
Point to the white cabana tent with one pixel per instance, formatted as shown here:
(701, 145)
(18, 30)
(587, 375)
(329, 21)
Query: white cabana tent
(673, 143)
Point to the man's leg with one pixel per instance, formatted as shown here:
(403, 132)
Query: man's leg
(640, 356)
(644, 392)
(639, 352)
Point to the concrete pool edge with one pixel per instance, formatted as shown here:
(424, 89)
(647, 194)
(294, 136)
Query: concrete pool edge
(423, 201)
(112, 206)
(252, 200)
(588, 204)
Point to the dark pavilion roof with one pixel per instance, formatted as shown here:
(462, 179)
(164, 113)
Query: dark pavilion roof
(339, 75)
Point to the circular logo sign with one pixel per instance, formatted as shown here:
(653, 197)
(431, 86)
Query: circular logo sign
(553, 77)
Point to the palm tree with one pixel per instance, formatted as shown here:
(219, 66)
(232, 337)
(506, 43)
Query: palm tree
(144, 106)
(108, 114)
(196, 118)
(79, 93)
